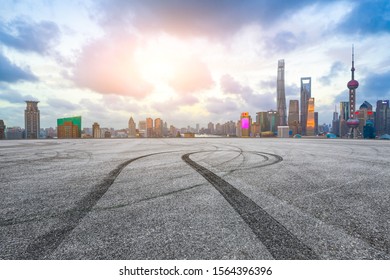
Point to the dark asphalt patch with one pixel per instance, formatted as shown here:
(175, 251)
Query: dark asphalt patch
(280, 242)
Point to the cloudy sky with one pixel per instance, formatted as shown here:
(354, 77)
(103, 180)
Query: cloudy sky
(186, 62)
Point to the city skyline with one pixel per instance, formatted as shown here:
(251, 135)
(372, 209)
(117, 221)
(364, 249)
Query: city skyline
(109, 60)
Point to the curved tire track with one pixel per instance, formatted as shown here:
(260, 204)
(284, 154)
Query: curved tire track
(45, 244)
(280, 242)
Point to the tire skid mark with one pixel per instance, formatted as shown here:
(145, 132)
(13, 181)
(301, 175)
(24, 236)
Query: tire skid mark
(45, 244)
(279, 241)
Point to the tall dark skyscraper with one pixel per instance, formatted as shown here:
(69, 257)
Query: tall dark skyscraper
(382, 117)
(32, 120)
(336, 122)
(293, 116)
(281, 95)
(344, 115)
(262, 120)
(305, 95)
(2, 130)
(352, 122)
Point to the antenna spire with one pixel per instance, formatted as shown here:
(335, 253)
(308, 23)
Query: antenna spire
(353, 63)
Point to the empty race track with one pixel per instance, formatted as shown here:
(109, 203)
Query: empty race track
(202, 198)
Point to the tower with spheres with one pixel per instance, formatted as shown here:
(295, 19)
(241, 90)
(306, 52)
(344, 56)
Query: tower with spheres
(353, 122)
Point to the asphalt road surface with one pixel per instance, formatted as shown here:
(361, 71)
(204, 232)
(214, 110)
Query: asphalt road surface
(202, 198)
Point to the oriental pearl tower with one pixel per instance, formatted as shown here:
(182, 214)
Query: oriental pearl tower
(352, 122)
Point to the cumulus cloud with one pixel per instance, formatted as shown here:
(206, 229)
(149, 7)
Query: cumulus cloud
(26, 35)
(191, 75)
(11, 73)
(108, 66)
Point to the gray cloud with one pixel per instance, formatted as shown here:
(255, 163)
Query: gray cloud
(284, 41)
(221, 106)
(259, 101)
(11, 73)
(26, 35)
(57, 103)
(336, 68)
(13, 96)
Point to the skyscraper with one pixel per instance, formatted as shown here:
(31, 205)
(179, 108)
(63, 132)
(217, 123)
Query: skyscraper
(281, 95)
(382, 117)
(263, 121)
(132, 130)
(2, 130)
(158, 127)
(142, 128)
(96, 133)
(273, 117)
(32, 120)
(364, 114)
(336, 122)
(305, 95)
(149, 127)
(310, 123)
(293, 116)
(344, 115)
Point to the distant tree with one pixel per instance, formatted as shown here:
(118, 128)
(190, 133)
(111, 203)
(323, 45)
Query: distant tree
(178, 135)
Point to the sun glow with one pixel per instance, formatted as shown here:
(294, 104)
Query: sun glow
(158, 58)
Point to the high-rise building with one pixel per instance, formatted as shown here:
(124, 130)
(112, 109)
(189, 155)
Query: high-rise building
(132, 129)
(281, 95)
(2, 130)
(293, 116)
(211, 128)
(197, 128)
(69, 127)
(382, 117)
(310, 123)
(364, 114)
(158, 128)
(32, 120)
(305, 95)
(263, 121)
(149, 127)
(273, 117)
(344, 115)
(96, 133)
(142, 128)
(335, 122)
